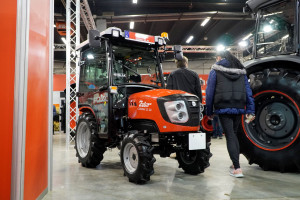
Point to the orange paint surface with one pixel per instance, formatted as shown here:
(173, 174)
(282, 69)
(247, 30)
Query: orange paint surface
(8, 14)
(150, 110)
(59, 82)
(36, 149)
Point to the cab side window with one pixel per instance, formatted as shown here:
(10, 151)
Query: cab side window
(93, 72)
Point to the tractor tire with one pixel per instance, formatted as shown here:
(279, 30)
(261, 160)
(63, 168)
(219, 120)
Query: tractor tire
(137, 158)
(89, 148)
(194, 162)
(272, 139)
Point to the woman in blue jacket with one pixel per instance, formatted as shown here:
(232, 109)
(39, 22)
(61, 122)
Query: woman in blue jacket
(228, 95)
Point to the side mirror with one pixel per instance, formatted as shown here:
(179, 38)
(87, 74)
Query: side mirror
(94, 38)
(178, 54)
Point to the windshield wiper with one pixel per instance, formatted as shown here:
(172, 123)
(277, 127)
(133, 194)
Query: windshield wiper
(131, 70)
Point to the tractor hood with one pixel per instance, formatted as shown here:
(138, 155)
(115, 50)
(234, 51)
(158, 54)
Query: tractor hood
(155, 105)
(154, 94)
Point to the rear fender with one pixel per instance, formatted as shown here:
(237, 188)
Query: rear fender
(85, 109)
(285, 62)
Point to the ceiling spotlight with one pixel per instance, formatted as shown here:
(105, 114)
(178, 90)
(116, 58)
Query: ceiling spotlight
(131, 25)
(220, 47)
(134, 1)
(268, 28)
(189, 39)
(205, 21)
(243, 43)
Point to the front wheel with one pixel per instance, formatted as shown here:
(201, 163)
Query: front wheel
(194, 162)
(137, 158)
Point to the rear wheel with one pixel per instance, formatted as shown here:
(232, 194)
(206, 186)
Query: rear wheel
(194, 162)
(137, 158)
(272, 139)
(89, 148)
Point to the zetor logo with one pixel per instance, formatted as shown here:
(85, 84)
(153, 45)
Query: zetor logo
(100, 98)
(144, 104)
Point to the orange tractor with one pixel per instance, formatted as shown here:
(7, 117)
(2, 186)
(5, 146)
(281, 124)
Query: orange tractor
(118, 110)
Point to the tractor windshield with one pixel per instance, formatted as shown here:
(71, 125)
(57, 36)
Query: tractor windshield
(275, 31)
(134, 65)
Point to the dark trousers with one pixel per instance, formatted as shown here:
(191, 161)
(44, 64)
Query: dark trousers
(230, 124)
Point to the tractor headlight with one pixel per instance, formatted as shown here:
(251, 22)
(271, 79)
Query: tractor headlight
(177, 111)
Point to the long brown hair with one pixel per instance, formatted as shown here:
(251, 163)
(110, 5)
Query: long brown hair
(234, 62)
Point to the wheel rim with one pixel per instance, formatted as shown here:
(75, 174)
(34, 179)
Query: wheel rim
(131, 158)
(188, 157)
(277, 121)
(83, 137)
(206, 124)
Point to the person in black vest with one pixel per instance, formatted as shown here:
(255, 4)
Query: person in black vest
(228, 92)
(185, 79)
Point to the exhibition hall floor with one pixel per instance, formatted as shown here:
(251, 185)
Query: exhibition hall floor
(106, 182)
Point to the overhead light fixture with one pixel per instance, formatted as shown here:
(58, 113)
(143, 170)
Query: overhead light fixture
(247, 36)
(268, 28)
(243, 43)
(205, 21)
(131, 25)
(189, 39)
(64, 40)
(134, 1)
(220, 47)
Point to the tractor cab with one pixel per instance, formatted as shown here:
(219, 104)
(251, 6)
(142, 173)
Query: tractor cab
(118, 65)
(276, 28)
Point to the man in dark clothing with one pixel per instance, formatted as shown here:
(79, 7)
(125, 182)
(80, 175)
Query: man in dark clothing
(185, 79)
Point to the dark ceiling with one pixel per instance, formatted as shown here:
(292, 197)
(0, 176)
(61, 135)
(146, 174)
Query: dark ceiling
(180, 18)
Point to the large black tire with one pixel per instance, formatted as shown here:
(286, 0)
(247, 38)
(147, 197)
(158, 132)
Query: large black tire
(194, 162)
(89, 148)
(272, 139)
(137, 158)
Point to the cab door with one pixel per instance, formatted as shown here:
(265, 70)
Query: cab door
(93, 84)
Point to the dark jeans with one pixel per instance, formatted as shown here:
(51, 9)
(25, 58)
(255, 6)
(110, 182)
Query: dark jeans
(217, 132)
(230, 124)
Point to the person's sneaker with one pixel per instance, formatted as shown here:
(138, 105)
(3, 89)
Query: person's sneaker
(237, 173)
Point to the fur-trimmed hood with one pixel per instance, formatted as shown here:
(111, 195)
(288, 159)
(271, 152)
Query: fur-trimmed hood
(228, 70)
